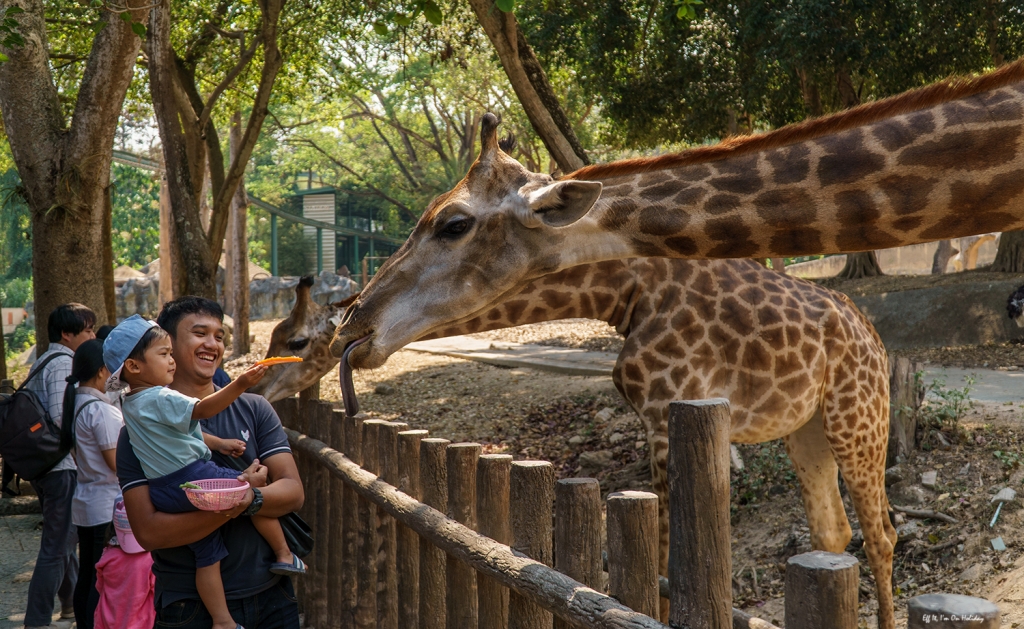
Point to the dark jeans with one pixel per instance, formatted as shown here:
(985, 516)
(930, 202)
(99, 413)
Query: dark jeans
(91, 542)
(274, 608)
(56, 568)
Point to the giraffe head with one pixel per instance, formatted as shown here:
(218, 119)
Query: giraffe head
(307, 333)
(486, 238)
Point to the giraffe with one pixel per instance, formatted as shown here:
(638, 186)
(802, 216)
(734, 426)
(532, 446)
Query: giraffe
(796, 361)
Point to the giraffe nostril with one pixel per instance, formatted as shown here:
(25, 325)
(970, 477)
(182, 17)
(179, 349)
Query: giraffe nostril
(349, 313)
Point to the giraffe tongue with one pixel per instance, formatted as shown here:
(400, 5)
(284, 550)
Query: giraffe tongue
(348, 390)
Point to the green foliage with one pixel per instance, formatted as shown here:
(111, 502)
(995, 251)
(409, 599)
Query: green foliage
(23, 337)
(15, 292)
(15, 228)
(135, 216)
(766, 467)
(9, 37)
(1009, 460)
(946, 405)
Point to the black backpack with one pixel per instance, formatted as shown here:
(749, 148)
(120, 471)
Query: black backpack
(31, 443)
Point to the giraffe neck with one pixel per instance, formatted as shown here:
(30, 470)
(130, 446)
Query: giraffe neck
(601, 291)
(953, 169)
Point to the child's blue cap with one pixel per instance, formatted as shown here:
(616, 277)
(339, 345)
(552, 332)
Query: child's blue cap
(119, 344)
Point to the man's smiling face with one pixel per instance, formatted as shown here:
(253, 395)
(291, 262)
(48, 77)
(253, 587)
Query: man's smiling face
(198, 346)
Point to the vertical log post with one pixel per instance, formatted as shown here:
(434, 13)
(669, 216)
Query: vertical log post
(821, 590)
(350, 526)
(387, 577)
(369, 545)
(951, 611)
(434, 485)
(492, 516)
(531, 490)
(578, 533)
(460, 578)
(336, 535)
(633, 550)
(700, 557)
(321, 419)
(408, 540)
(304, 586)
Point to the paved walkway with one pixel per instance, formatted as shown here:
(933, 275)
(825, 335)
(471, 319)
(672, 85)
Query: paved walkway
(19, 543)
(991, 385)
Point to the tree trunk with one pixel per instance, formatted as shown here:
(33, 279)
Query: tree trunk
(238, 245)
(862, 264)
(779, 264)
(66, 169)
(1010, 254)
(3, 347)
(906, 393)
(503, 31)
(943, 254)
(109, 294)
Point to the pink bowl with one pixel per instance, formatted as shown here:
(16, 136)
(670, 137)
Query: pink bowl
(217, 494)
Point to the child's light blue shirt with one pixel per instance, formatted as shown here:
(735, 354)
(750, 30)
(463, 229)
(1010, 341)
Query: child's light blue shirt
(163, 433)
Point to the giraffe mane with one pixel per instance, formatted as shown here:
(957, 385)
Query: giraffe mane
(914, 100)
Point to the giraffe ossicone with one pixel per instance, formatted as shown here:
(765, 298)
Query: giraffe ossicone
(795, 360)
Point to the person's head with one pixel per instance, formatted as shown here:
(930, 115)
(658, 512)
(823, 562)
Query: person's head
(71, 325)
(87, 369)
(138, 353)
(196, 326)
(104, 330)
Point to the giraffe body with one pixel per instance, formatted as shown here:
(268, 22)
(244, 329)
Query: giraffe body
(795, 360)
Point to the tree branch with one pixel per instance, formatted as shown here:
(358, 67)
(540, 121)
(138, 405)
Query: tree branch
(243, 61)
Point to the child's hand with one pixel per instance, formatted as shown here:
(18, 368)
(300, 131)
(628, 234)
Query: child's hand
(231, 447)
(252, 375)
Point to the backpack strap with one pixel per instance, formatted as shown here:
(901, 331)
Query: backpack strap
(67, 433)
(38, 369)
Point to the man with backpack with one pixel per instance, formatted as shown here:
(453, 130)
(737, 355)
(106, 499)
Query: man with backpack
(56, 569)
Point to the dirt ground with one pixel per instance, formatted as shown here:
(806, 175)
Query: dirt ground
(584, 427)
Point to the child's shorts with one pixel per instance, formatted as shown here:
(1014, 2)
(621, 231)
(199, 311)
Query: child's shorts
(169, 497)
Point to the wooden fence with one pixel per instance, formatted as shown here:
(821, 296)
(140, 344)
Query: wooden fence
(413, 531)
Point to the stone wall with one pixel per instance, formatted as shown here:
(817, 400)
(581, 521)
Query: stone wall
(269, 297)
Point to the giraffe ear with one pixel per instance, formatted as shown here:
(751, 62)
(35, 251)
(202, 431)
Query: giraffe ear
(562, 202)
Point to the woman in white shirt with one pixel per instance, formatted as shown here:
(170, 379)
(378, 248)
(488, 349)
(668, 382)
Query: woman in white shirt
(97, 425)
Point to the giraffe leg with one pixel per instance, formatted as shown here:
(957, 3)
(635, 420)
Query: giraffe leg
(819, 486)
(861, 457)
(656, 421)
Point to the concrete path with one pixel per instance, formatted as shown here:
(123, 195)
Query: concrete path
(991, 385)
(19, 544)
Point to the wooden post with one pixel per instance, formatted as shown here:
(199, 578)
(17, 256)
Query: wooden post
(408, 540)
(303, 462)
(951, 611)
(700, 557)
(531, 490)
(821, 591)
(387, 576)
(322, 427)
(633, 550)
(350, 526)
(366, 614)
(578, 533)
(492, 516)
(434, 485)
(336, 535)
(460, 578)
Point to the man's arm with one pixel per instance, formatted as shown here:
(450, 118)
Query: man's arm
(284, 494)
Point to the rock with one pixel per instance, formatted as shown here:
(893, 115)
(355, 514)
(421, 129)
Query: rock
(735, 458)
(593, 462)
(929, 479)
(907, 495)
(1004, 495)
(639, 444)
(964, 470)
(893, 475)
(383, 389)
(615, 438)
(973, 573)
(604, 415)
(575, 440)
(910, 529)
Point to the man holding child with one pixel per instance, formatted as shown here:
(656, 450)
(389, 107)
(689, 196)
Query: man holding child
(256, 597)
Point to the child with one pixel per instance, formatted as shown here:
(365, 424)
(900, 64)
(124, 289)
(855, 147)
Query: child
(170, 446)
(124, 580)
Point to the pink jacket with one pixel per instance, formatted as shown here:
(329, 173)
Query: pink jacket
(125, 583)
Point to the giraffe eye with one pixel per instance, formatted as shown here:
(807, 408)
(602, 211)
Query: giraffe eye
(296, 345)
(455, 227)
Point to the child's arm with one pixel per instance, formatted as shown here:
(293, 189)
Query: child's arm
(220, 400)
(227, 447)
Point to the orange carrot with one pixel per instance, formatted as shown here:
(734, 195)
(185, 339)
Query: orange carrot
(279, 360)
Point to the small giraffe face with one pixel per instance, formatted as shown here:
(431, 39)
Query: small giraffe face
(474, 245)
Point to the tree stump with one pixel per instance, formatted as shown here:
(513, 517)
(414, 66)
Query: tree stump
(821, 591)
(943, 254)
(858, 265)
(906, 393)
(951, 611)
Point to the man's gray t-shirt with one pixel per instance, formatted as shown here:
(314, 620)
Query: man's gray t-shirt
(246, 569)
